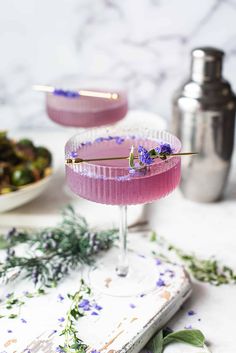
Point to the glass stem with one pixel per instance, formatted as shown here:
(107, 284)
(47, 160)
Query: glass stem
(123, 267)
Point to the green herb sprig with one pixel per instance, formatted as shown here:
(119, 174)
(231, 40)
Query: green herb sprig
(11, 307)
(53, 252)
(204, 270)
(72, 343)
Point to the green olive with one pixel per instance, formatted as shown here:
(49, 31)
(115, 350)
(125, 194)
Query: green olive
(22, 176)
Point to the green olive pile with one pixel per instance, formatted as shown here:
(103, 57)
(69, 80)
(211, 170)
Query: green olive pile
(21, 163)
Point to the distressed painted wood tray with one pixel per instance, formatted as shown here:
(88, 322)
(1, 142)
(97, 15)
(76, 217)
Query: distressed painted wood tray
(124, 324)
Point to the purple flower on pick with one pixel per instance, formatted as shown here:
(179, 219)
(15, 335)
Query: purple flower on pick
(144, 156)
(160, 283)
(191, 313)
(164, 148)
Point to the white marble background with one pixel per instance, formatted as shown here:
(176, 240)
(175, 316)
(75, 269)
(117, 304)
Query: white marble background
(142, 44)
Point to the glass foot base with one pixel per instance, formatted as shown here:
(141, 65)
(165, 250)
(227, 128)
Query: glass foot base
(141, 278)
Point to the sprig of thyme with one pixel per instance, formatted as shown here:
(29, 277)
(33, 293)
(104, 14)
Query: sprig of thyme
(204, 270)
(72, 343)
(53, 252)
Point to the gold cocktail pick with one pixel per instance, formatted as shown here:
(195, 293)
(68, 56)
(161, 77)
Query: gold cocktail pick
(76, 93)
(78, 160)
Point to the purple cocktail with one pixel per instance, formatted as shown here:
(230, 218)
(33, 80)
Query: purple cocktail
(111, 181)
(86, 112)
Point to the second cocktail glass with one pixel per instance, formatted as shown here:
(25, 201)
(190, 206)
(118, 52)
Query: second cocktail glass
(112, 182)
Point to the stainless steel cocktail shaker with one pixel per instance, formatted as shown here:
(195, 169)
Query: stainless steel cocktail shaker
(203, 118)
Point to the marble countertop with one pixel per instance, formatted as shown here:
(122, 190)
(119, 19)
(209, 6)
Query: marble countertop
(206, 229)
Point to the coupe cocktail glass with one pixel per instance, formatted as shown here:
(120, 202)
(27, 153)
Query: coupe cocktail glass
(111, 182)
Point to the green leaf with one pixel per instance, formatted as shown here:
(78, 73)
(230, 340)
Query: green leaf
(12, 316)
(131, 157)
(193, 337)
(156, 344)
(153, 236)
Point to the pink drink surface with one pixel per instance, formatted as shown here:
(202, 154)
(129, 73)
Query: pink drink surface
(110, 182)
(86, 111)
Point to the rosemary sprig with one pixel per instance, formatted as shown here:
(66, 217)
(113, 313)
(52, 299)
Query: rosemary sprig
(53, 252)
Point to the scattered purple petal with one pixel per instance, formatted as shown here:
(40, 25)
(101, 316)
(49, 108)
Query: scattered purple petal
(97, 307)
(132, 306)
(60, 298)
(9, 331)
(95, 351)
(94, 313)
(160, 283)
(162, 273)
(142, 295)
(191, 313)
(158, 262)
(188, 327)
(27, 350)
(23, 321)
(61, 319)
(141, 255)
(53, 331)
(199, 319)
(59, 350)
(9, 295)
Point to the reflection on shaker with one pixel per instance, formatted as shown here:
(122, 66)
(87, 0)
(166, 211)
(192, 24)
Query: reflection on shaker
(203, 118)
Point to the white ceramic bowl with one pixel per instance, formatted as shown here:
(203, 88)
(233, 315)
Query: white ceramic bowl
(23, 195)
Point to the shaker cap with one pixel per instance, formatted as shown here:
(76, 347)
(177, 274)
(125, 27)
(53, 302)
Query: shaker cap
(206, 64)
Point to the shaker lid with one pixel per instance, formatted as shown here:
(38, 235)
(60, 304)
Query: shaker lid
(206, 64)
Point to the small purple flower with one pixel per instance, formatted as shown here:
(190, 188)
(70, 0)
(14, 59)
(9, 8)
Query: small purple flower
(83, 303)
(94, 313)
(144, 156)
(162, 274)
(73, 154)
(61, 319)
(188, 327)
(158, 262)
(60, 298)
(164, 148)
(9, 331)
(132, 306)
(191, 313)
(160, 283)
(23, 321)
(95, 351)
